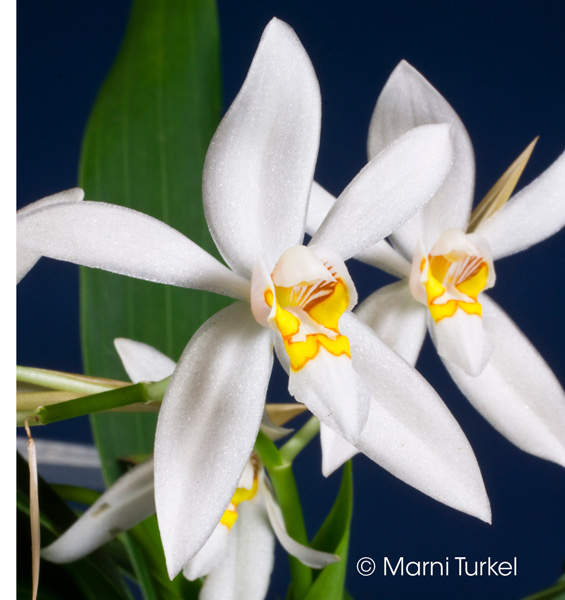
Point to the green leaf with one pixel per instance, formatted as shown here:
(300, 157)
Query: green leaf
(555, 592)
(93, 577)
(333, 536)
(144, 148)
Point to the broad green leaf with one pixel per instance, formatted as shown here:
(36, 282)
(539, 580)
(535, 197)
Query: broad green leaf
(144, 148)
(333, 536)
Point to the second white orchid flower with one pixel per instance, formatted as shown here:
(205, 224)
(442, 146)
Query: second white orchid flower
(446, 260)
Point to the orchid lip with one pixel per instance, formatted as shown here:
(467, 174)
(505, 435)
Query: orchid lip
(303, 299)
(451, 276)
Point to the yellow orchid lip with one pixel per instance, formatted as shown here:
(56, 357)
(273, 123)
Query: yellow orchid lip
(455, 283)
(457, 269)
(307, 298)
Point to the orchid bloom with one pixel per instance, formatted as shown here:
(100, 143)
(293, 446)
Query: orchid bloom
(445, 259)
(256, 186)
(237, 559)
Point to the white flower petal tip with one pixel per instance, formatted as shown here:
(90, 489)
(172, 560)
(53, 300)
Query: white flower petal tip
(210, 416)
(517, 392)
(272, 431)
(260, 164)
(143, 362)
(26, 258)
(388, 191)
(307, 556)
(408, 100)
(335, 450)
(126, 503)
(410, 432)
(533, 214)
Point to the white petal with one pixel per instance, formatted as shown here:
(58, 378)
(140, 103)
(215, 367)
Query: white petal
(318, 207)
(143, 362)
(388, 191)
(26, 258)
(272, 431)
(461, 340)
(308, 556)
(398, 319)
(408, 100)
(246, 572)
(383, 256)
(532, 215)
(410, 432)
(207, 426)
(124, 241)
(335, 450)
(330, 388)
(126, 503)
(260, 164)
(210, 556)
(517, 392)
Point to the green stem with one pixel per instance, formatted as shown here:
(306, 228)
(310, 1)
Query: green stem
(59, 381)
(299, 440)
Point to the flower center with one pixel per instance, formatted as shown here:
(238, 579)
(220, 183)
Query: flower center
(308, 291)
(454, 273)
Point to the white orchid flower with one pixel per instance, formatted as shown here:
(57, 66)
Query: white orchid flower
(25, 258)
(256, 185)
(444, 269)
(237, 559)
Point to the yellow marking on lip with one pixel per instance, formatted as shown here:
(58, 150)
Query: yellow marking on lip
(324, 304)
(473, 274)
(241, 495)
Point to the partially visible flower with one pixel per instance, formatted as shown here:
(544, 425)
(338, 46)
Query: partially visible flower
(237, 559)
(26, 258)
(445, 257)
(256, 185)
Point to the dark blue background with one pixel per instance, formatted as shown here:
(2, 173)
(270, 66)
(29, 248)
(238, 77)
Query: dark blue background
(500, 65)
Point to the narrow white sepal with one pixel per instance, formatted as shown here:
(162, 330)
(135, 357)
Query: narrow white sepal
(517, 392)
(335, 450)
(207, 427)
(408, 100)
(25, 258)
(532, 215)
(397, 319)
(307, 556)
(125, 241)
(143, 362)
(388, 191)
(260, 163)
(318, 207)
(410, 432)
(126, 503)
